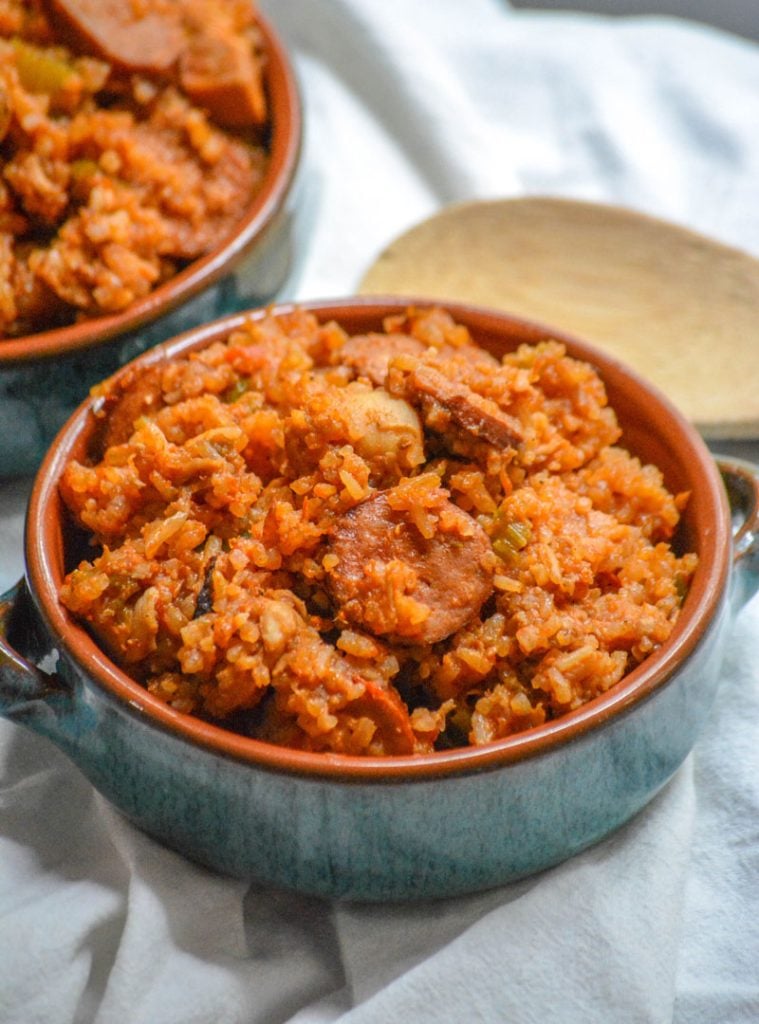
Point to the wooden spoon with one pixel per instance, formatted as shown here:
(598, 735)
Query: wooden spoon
(680, 308)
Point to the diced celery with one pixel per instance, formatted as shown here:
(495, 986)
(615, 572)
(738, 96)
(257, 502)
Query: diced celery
(509, 537)
(39, 70)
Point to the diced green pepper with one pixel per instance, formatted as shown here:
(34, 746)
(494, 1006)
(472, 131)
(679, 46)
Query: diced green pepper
(39, 70)
(84, 168)
(509, 537)
(502, 548)
(517, 534)
(236, 390)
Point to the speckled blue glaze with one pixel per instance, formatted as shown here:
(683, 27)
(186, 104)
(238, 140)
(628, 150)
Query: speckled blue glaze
(37, 397)
(364, 840)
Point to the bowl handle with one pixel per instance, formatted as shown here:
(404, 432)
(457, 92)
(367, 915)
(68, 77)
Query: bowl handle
(25, 689)
(741, 481)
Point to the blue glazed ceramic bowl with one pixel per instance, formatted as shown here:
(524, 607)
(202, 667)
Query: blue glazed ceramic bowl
(401, 827)
(44, 376)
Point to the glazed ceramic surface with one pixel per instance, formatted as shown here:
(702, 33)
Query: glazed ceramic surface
(44, 377)
(404, 827)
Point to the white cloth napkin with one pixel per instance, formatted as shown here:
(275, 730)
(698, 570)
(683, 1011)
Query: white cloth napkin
(411, 105)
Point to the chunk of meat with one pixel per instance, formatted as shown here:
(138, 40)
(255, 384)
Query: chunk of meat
(383, 707)
(375, 723)
(473, 413)
(383, 428)
(223, 75)
(35, 301)
(138, 392)
(335, 707)
(396, 582)
(110, 29)
(370, 354)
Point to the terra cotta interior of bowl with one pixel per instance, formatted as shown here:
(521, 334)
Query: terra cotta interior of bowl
(652, 429)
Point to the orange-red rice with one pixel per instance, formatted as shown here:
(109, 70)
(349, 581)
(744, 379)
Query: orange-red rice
(234, 490)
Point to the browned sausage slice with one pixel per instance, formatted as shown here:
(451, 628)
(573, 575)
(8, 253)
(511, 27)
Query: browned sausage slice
(382, 706)
(329, 696)
(223, 75)
(138, 392)
(473, 413)
(393, 581)
(370, 354)
(386, 710)
(109, 29)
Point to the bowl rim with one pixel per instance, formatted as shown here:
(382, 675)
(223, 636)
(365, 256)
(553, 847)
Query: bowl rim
(284, 157)
(44, 560)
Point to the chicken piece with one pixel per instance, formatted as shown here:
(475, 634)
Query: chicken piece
(322, 704)
(394, 581)
(382, 427)
(321, 699)
(383, 430)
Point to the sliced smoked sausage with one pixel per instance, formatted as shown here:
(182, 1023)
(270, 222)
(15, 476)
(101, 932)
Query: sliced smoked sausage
(394, 581)
(369, 354)
(150, 43)
(221, 74)
(476, 415)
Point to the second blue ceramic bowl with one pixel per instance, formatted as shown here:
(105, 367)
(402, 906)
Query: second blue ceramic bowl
(44, 376)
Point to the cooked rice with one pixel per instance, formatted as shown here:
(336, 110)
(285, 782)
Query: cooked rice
(110, 181)
(289, 548)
